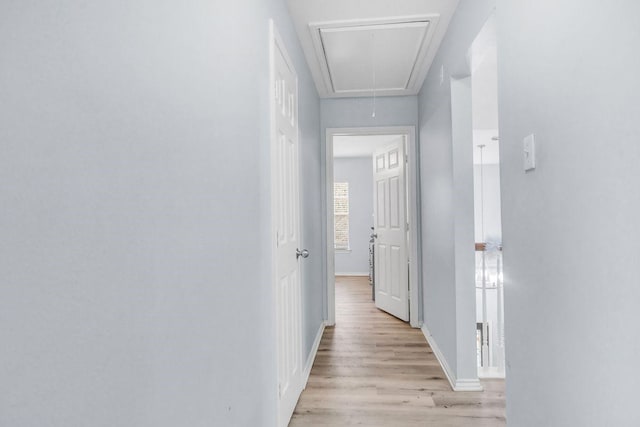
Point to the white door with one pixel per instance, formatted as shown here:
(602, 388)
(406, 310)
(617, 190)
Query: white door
(389, 200)
(286, 224)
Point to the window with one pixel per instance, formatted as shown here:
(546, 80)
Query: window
(341, 215)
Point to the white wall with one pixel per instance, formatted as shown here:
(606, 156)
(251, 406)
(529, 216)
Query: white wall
(492, 212)
(447, 196)
(134, 182)
(568, 73)
(358, 172)
(484, 79)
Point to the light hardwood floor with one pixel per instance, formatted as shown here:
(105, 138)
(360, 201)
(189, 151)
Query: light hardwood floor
(374, 370)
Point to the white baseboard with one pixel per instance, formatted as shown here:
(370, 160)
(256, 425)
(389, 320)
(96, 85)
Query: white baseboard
(491, 373)
(312, 355)
(462, 384)
(353, 274)
(468, 385)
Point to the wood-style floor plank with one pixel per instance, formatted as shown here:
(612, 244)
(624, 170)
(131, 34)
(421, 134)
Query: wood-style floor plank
(374, 370)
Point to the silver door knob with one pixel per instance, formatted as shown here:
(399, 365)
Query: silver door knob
(302, 253)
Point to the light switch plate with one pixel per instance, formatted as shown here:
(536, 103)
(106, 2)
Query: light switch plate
(529, 147)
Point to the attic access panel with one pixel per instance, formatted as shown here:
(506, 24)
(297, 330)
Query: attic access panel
(384, 56)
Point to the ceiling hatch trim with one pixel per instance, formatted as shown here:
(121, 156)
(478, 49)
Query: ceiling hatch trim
(346, 52)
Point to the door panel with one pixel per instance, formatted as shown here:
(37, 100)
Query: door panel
(391, 261)
(395, 263)
(394, 200)
(381, 191)
(286, 213)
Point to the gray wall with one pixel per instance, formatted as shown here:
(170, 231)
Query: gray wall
(311, 194)
(447, 197)
(570, 227)
(356, 112)
(134, 182)
(358, 172)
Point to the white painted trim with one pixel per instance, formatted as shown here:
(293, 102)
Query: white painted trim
(491, 372)
(330, 302)
(312, 355)
(365, 274)
(413, 216)
(273, 206)
(463, 384)
(468, 385)
(441, 359)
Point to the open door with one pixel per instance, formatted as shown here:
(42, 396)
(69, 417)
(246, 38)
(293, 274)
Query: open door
(389, 201)
(286, 229)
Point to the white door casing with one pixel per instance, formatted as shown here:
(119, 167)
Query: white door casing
(390, 221)
(286, 228)
(412, 157)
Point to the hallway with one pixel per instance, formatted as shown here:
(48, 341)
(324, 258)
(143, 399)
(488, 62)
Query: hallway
(374, 370)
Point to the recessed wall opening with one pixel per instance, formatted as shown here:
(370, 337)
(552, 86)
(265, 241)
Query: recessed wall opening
(487, 205)
(377, 215)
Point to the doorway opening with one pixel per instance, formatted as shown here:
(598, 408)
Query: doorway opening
(487, 206)
(372, 216)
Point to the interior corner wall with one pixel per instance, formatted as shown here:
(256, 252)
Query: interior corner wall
(134, 178)
(570, 227)
(358, 172)
(441, 193)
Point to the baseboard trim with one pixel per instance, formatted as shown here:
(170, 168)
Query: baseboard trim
(441, 359)
(462, 384)
(312, 355)
(468, 385)
(490, 373)
(366, 274)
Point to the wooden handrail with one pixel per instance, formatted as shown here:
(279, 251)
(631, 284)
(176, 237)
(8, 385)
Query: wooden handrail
(481, 247)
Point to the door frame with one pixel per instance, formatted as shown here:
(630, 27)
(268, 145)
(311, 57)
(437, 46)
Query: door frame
(413, 217)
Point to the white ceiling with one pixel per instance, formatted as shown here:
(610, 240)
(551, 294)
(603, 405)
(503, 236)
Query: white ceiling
(359, 145)
(385, 47)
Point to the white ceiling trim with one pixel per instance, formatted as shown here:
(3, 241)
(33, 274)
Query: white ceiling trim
(418, 71)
